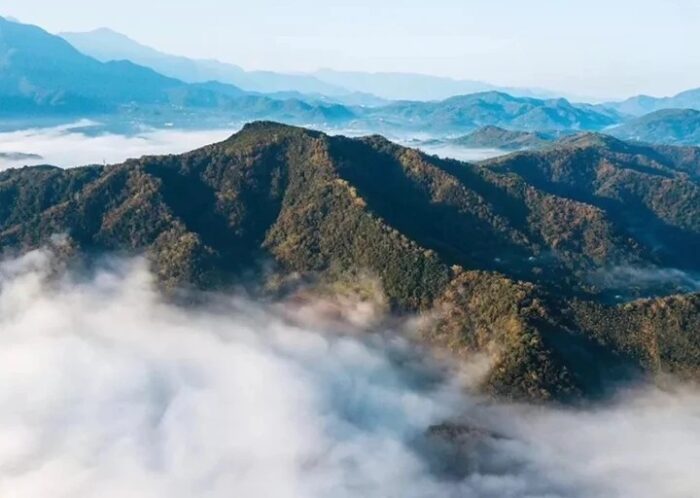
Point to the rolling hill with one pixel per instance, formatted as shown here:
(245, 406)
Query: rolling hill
(493, 137)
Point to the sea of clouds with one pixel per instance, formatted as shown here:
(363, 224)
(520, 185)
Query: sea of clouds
(82, 143)
(108, 390)
(87, 142)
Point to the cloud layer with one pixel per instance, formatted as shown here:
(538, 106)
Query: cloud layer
(85, 142)
(111, 392)
(70, 145)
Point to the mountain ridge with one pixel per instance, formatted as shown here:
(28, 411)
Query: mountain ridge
(106, 44)
(44, 75)
(494, 137)
(667, 126)
(44, 71)
(465, 113)
(488, 250)
(645, 104)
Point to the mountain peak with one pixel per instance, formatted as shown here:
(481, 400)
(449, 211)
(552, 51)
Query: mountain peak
(491, 129)
(486, 96)
(593, 139)
(496, 137)
(275, 126)
(106, 32)
(270, 130)
(105, 38)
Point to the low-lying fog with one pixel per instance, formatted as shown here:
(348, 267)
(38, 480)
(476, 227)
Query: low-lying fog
(82, 143)
(452, 151)
(87, 142)
(108, 391)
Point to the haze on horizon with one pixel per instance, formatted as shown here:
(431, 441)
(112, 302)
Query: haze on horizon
(594, 49)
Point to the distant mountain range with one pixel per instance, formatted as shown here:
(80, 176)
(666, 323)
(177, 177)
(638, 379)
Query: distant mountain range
(643, 104)
(422, 87)
(468, 112)
(44, 75)
(107, 45)
(668, 126)
(511, 258)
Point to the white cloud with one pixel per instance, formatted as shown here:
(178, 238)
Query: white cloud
(69, 145)
(448, 151)
(77, 144)
(108, 391)
(645, 279)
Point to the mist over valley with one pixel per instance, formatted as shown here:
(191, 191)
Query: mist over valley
(365, 280)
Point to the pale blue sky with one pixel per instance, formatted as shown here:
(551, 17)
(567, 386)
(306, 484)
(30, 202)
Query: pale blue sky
(603, 48)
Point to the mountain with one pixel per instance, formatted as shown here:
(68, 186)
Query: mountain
(254, 107)
(468, 112)
(668, 126)
(651, 193)
(500, 257)
(106, 45)
(355, 99)
(43, 73)
(421, 87)
(493, 137)
(644, 104)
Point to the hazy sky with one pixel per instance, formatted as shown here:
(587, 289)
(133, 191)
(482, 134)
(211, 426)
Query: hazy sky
(603, 48)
